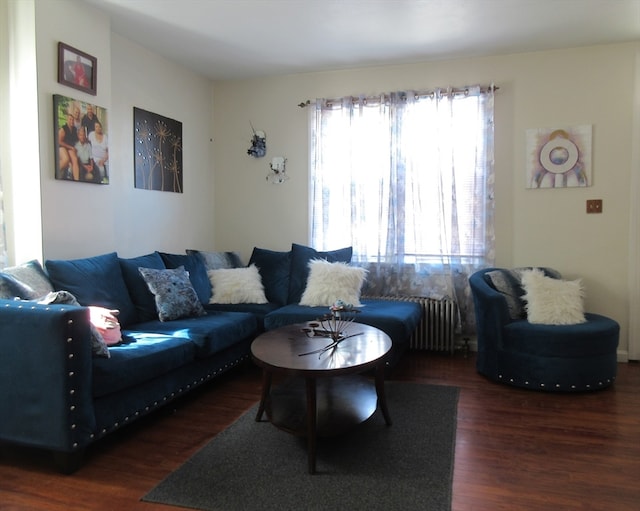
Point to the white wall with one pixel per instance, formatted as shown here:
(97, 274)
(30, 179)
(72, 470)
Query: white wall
(591, 85)
(154, 220)
(82, 219)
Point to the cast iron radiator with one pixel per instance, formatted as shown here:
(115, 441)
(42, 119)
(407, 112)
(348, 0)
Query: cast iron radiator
(436, 330)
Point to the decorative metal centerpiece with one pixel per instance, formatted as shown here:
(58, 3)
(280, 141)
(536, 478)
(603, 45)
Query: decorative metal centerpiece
(332, 325)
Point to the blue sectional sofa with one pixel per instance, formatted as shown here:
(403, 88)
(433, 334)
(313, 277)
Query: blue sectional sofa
(63, 389)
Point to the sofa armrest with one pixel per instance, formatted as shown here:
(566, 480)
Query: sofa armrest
(45, 375)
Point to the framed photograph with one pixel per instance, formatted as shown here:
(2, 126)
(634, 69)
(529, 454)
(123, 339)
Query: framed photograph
(157, 142)
(77, 69)
(81, 140)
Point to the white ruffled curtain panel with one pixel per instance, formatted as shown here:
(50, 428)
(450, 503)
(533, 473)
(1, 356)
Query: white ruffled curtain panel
(406, 178)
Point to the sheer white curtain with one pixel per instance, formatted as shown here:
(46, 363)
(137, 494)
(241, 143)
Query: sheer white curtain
(406, 179)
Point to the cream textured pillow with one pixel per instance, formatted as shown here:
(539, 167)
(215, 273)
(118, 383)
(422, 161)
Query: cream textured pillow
(552, 301)
(237, 285)
(329, 282)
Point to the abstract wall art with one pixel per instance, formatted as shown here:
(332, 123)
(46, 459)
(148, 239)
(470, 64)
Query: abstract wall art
(559, 157)
(157, 152)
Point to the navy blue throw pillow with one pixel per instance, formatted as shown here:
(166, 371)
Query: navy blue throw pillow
(94, 281)
(274, 268)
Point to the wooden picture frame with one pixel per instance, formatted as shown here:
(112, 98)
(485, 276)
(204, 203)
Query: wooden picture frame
(77, 69)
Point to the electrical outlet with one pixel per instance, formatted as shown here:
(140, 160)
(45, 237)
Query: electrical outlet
(594, 206)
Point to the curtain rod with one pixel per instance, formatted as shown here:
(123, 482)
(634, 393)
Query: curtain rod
(431, 93)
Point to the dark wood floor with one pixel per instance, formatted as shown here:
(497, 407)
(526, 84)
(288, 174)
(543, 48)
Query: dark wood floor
(515, 449)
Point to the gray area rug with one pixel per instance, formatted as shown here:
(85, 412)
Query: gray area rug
(254, 466)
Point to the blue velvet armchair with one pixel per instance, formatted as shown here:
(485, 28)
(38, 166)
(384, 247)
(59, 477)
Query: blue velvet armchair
(569, 358)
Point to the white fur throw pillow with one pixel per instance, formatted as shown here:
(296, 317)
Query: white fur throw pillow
(237, 285)
(552, 301)
(329, 282)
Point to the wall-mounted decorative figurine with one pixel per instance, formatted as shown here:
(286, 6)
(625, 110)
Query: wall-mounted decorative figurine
(77, 69)
(258, 144)
(559, 158)
(157, 152)
(278, 174)
(81, 141)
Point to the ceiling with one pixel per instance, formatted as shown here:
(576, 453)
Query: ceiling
(237, 39)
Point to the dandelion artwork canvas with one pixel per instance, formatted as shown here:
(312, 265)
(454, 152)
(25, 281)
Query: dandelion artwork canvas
(157, 152)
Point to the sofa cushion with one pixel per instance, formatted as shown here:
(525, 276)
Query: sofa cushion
(330, 282)
(145, 356)
(237, 285)
(197, 272)
(209, 334)
(32, 275)
(94, 281)
(259, 310)
(598, 335)
(397, 319)
(217, 260)
(174, 294)
(274, 269)
(300, 257)
(143, 299)
(552, 301)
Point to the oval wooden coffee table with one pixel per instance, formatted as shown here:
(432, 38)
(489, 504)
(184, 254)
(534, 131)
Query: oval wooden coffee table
(325, 393)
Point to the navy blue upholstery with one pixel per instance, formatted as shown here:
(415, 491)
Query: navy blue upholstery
(59, 395)
(259, 310)
(567, 358)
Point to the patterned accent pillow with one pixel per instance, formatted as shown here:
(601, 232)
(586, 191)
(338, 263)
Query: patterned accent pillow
(10, 288)
(507, 282)
(174, 293)
(32, 275)
(217, 260)
(197, 272)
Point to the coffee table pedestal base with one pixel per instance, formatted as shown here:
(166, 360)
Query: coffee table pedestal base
(321, 407)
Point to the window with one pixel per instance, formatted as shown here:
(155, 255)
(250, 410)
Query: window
(404, 178)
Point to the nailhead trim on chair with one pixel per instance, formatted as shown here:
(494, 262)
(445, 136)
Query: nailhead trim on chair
(608, 381)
